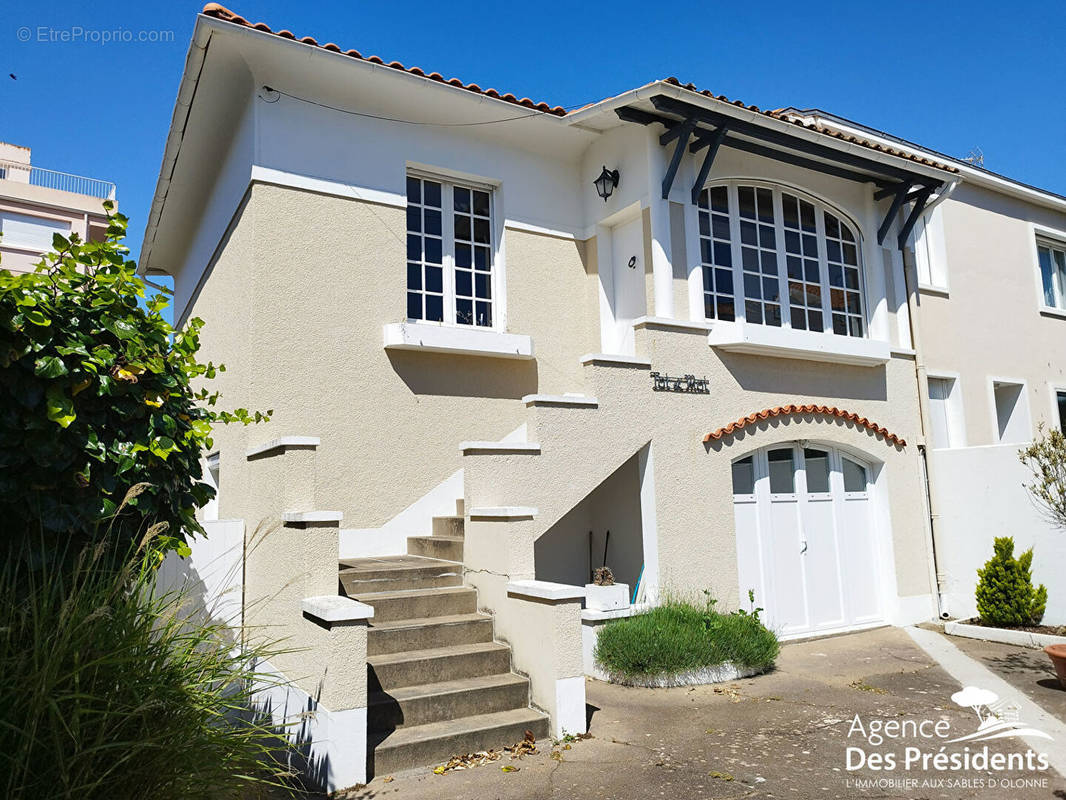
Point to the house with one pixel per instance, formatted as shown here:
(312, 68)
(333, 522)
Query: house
(36, 202)
(505, 342)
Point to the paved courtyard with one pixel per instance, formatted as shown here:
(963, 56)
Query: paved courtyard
(784, 735)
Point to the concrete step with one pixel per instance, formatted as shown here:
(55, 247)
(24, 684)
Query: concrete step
(419, 667)
(436, 742)
(362, 576)
(449, 548)
(448, 526)
(427, 633)
(436, 702)
(419, 603)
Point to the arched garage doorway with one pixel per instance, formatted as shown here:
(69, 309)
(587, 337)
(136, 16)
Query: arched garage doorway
(807, 538)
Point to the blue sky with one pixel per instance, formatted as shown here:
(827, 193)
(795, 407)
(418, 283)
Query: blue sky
(951, 76)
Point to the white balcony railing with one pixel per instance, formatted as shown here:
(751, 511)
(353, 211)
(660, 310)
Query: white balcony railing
(50, 179)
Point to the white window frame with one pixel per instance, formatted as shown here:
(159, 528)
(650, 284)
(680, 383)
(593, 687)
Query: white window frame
(821, 206)
(1046, 238)
(449, 180)
(1055, 389)
(1023, 398)
(956, 419)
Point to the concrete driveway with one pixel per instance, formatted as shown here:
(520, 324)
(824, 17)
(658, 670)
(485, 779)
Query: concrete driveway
(784, 734)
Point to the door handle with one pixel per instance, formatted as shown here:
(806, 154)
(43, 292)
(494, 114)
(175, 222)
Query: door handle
(804, 550)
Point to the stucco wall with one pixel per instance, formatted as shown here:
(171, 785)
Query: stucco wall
(990, 325)
(295, 306)
(980, 494)
(694, 504)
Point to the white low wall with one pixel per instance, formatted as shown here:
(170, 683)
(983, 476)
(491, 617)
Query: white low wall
(213, 572)
(978, 494)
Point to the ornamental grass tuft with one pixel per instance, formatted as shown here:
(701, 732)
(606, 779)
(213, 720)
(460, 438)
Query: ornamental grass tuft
(683, 635)
(110, 688)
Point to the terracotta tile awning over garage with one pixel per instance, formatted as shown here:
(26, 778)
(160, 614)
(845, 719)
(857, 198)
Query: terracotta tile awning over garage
(830, 411)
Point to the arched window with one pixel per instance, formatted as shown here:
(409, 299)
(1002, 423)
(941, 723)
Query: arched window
(775, 258)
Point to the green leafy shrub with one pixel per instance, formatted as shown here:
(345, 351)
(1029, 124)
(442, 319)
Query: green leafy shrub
(96, 395)
(1005, 594)
(680, 636)
(112, 689)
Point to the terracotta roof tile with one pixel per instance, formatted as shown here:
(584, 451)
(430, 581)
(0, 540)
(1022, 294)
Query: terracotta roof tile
(217, 11)
(831, 411)
(781, 115)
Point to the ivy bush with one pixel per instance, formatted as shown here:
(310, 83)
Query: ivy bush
(1006, 597)
(97, 395)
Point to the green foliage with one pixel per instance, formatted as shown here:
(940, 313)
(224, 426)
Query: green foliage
(1046, 459)
(681, 635)
(1005, 594)
(110, 688)
(96, 396)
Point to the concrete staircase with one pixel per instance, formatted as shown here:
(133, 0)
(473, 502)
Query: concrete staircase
(439, 684)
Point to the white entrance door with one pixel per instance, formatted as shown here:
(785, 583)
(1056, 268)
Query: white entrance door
(806, 544)
(627, 284)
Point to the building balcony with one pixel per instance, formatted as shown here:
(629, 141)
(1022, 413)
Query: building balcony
(13, 172)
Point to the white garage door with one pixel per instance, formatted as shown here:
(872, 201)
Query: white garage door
(806, 542)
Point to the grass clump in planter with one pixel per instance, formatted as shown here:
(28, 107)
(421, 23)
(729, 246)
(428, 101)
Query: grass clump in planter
(665, 644)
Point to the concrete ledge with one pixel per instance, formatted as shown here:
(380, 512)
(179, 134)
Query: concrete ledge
(503, 513)
(546, 590)
(312, 516)
(282, 442)
(334, 608)
(500, 448)
(559, 400)
(667, 324)
(766, 340)
(719, 673)
(462, 339)
(592, 615)
(1037, 641)
(615, 360)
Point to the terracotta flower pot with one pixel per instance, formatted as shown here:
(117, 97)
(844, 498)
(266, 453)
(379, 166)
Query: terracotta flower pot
(1057, 653)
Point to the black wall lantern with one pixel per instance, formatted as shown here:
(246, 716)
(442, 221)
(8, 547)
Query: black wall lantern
(606, 183)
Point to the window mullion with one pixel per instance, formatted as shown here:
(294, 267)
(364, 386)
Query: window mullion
(823, 267)
(739, 298)
(448, 235)
(782, 260)
(1057, 277)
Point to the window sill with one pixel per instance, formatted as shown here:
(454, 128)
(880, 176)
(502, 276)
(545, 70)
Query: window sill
(430, 338)
(1048, 311)
(939, 291)
(763, 340)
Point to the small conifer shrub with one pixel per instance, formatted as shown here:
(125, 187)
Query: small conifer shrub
(1006, 596)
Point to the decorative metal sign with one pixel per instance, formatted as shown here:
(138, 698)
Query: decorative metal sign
(689, 384)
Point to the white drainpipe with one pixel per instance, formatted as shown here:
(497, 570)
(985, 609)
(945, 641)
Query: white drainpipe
(923, 406)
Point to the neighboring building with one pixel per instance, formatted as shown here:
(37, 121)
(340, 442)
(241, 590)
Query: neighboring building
(472, 356)
(36, 202)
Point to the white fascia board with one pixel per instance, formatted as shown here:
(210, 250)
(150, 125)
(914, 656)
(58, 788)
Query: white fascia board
(546, 590)
(282, 442)
(765, 340)
(457, 339)
(335, 608)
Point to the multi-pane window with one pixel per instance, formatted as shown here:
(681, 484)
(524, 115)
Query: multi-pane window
(758, 256)
(784, 260)
(1053, 274)
(449, 253)
(801, 259)
(717, 254)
